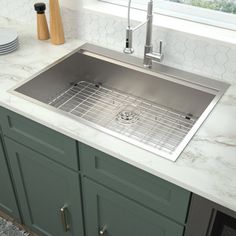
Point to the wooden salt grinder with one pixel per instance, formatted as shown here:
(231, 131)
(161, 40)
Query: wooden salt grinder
(42, 26)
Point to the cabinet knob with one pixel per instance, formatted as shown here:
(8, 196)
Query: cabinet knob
(63, 212)
(103, 230)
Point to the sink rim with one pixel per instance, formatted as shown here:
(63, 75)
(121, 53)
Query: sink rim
(211, 86)
(159, 70)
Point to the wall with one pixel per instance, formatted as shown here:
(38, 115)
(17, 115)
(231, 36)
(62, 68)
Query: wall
(184, 51)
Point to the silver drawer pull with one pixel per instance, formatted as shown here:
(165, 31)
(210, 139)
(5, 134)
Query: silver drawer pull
(65, 225)
(103, 231)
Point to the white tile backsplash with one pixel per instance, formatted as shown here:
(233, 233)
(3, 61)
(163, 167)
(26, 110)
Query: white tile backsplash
(184, 51)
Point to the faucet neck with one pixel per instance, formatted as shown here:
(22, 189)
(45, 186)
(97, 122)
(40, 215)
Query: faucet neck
(150, 7)
(149, 23)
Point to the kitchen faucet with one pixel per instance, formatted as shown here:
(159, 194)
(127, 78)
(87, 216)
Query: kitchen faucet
(149, 55)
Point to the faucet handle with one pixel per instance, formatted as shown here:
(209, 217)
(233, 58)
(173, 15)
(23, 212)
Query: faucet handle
(150, 56)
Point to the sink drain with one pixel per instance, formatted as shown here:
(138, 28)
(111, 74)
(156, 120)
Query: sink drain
(128, 116)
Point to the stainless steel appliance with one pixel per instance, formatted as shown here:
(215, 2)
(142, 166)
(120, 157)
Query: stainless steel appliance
(207, 218)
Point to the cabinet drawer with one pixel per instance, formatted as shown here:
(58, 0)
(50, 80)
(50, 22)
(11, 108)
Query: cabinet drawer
(159, 195)
(40, 138)
(117, 215)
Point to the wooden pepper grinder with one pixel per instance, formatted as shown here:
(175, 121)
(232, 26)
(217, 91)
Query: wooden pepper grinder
(56, 27)
(42, 26)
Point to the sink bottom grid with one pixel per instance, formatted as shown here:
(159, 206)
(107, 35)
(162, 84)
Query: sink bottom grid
(137, 120)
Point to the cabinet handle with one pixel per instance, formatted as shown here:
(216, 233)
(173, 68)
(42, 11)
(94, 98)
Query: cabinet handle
(103, 231)
(65, 225)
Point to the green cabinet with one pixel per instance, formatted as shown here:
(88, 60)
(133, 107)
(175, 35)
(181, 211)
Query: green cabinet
(52, 144)
(111, 214)
(49, 170)
(48, 193)
(157, 194)
(7, 196)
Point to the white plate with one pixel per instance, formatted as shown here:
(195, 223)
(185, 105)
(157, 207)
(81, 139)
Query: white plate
(9, 44)
(8, 51)
(9, 48)
(7, 36)
(4, 53)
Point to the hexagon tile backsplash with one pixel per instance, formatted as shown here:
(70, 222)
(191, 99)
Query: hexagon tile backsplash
(195, 54)
(192, 53)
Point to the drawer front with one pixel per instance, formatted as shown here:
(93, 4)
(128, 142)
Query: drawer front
(161, 196)
(117, 215)
(54, 145)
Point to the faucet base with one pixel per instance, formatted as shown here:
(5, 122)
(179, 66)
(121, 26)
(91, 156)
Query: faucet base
(148, 66)
(128, 50)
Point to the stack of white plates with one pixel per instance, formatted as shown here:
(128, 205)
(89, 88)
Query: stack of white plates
(8, 40)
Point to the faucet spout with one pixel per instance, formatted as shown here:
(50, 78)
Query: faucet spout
(149, 55)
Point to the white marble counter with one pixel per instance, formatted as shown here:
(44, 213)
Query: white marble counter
(206, 167)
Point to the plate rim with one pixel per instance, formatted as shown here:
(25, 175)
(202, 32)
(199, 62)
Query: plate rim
(14, 35)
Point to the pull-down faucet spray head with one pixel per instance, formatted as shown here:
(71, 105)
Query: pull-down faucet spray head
(129, 34)
(129, 41)
(149, 54)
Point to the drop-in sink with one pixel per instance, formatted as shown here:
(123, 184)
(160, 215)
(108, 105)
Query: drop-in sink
(157, 109)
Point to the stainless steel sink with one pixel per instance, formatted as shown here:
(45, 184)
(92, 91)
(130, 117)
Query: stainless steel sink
(157, 109)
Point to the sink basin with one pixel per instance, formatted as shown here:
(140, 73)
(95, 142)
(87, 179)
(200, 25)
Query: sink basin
(157, 109)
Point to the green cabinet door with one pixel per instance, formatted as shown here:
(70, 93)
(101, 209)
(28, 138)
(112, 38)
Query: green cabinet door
(8, 203)
(111, 214)
(49, 194)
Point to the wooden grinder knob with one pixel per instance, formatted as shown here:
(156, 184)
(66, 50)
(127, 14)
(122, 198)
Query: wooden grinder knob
(42, 26)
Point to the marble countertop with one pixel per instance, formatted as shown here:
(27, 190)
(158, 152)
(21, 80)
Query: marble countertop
(206, 167)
